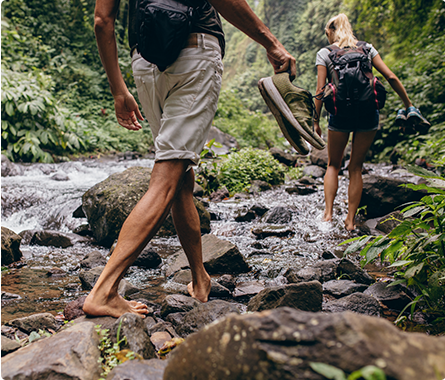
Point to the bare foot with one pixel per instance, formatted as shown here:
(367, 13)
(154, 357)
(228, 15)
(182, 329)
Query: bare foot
(200, 291)
(350, 226)
(327, 217)
(114, 307)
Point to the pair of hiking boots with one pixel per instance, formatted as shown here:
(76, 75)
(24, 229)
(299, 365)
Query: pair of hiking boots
(293, 109)
(411, 121)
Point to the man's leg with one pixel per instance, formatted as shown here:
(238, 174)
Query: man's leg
(337, 142)
(188, 228)
(140, 226)
(361, 143)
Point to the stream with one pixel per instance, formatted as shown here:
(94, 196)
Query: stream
(46, 195)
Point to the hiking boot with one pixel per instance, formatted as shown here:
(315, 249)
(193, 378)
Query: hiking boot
(401, 117)
(293, 104)
(415, 118)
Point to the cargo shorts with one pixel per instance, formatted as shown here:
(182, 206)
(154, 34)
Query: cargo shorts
(180, 102)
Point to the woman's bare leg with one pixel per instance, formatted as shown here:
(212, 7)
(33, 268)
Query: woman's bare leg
(337, 142)
(361, 142)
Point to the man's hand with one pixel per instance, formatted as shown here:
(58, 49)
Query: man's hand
(282, 61)
(127, 112)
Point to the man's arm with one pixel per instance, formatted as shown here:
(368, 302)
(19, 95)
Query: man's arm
(239, 14)
(127, 111)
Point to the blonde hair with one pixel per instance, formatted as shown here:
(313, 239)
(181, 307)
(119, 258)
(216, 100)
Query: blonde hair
(342, 31)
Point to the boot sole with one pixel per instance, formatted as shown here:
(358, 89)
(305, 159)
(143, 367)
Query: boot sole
(280, 110)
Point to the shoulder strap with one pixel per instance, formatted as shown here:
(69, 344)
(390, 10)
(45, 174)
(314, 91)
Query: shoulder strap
(332, 47)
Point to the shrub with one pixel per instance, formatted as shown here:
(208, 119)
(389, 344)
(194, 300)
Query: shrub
(241, 168)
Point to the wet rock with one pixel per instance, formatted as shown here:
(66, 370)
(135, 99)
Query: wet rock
(175, 303)
(10, 297)
(387, 223)
(395, 297)
(92, 260)
(277, 215)
(342, 288)
(35, 322)
(304, 296)
(264, 231)
(227, 141)
(349, 269)
(108, 203)
(219, 195)
(257, 186)
(49, 238)
(280, 155)
(307, 181)
(103, 322)
(328, 255)
(259, 209)
(13, 333)
(27, 235)
(159, 338)
(319, 157)
(203, 314)
(56, 272)
(152, 369)
(175, 318)
(9, 345)
(149, 323)
(164, 326)
(383, 195)
(70, 354)
(294, 275)
(246, 290)
(183, 277)
(301, 189)
(148, 258)
(79, 213)
(9, 168)
(314, 171)
(245, 215)
(59, 177)
(10, 246)
(88, 279)
(198, 191)
(219, 256)
(356, 302)
(133, 327)
(73, 309)
(228, 281)
(280, 345)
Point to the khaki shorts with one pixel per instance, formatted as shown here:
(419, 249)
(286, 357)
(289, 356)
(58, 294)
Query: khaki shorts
(180, 102)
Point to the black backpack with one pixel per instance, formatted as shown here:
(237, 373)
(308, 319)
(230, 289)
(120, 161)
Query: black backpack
(355, 91)
(162, 28)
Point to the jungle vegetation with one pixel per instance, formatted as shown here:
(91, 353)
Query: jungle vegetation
(56, 101)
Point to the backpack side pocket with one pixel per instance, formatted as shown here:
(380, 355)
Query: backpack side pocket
(329, 98)
(379, 93)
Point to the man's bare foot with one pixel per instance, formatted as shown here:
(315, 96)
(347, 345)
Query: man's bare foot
(200, 291)
(114, 307)
(350, 226)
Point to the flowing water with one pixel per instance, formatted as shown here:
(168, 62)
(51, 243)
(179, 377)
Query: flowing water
(39, 199)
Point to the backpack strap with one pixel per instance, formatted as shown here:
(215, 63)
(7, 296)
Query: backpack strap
(332, 47)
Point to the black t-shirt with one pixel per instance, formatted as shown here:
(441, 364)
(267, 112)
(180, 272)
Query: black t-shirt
(208, 21)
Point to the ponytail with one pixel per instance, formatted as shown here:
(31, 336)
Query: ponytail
(342, 29)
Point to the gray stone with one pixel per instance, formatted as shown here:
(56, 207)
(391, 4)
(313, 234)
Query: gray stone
(152, 369)
(247, 290)
(227, 141)
(73, 309)
(352, 271)
(9, 168)
(164, 326)
(50, 238)
(319, 157)
(257, 186)
(203, 314)
(342, 288)
(9, 345)
(294, 275)
(70, 354)
(277, 215)
(328, 269)
(148, 258)
(306, 296)
(132, 326)
(245, 215)
(301, 189)
(108, 203)
(35, 322)
(356, 302)
(280, 155)
(175, 303)
(264, 231)
(314, 171)
(10, 246)
(280, 344)
(198, 191)
(92, 260)
(228, 281)
(219, 256)
(387, 223)
(395, 297)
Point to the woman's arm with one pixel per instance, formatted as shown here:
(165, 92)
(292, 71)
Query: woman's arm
(392, 79)
(322, 74)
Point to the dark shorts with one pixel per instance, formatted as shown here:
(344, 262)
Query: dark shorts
(363, 123)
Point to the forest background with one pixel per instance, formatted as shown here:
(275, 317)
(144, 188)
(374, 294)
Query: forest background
(56, 102)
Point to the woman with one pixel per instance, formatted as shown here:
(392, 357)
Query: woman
(339, 32)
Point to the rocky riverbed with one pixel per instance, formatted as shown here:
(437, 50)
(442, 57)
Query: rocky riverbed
(279, 277)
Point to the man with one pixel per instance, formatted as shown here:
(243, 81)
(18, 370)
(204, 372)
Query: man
(180, 104)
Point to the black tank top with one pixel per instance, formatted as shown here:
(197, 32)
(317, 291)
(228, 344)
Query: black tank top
(208, 22)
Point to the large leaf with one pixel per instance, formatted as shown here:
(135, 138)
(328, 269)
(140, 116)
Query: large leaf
(358, 244)
(411, 272)
(328, 371)
(369, 372)
(400, 230)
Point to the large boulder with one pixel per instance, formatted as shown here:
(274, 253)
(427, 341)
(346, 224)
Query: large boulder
(50, 238)
(382, 195)
(70, 354)
(152, 369)
(108, 203)
(10, 246)
(280, 344)
(219, 256)
(9, 168)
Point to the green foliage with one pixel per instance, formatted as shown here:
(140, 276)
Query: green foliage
(241, 168)
(369, 372)
(416, 246)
